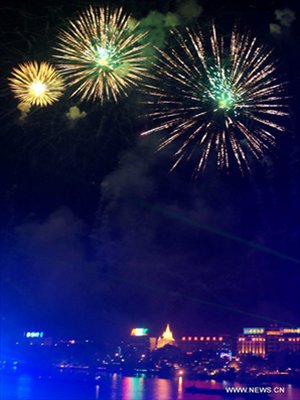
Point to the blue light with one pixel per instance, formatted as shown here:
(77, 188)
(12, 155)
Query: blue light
(34, 335)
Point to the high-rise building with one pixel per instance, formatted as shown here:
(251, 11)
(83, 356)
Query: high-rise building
(139, 340)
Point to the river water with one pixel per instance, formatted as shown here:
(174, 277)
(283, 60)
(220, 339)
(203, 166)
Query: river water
(116, 387)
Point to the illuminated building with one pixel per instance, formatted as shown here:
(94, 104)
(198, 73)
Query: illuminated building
(263, 342)
(152, 343)
(281, 339)
(254, 331)
(36, 338)
(139, 332)
(252, 344)
(166, 338)
(218, 343)
(139, 340)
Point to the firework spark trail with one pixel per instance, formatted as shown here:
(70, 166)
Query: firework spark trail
(100, 55)
(36, 83)
(210, 97)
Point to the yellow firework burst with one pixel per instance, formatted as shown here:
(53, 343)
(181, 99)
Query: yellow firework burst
(36, 83)
(100, 54)
(216, 97)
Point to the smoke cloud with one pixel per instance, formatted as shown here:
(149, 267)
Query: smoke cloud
(190, 9)
(159, 247)
(275, 29)
(75, 114)
(285, 17)
(158, 25)
(25, 109)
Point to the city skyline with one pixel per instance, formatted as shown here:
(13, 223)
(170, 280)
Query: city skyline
(167, 333)
(97, 234)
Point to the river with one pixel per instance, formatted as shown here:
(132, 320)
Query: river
(116, 387)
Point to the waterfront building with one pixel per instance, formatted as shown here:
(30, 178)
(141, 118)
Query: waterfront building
(281, 339)
(252, 341)
(35, 338)
(166, 338)
(139, 340)
(152, 343)
(217, 343)
(263, 342)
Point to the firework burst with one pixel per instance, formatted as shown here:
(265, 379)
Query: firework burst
(100, 54)
(36, 83)
(214, 98)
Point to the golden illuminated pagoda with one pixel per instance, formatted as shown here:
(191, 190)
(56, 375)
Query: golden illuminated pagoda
(166, 338)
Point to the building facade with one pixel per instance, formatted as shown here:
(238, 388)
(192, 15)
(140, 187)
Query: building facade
(166, 338)
(221, 344)
(263, 342)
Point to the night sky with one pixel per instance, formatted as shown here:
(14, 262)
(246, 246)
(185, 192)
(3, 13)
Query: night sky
(97, 236)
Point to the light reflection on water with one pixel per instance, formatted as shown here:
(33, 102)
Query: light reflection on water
(113, 387)
(180, 388)
(24, 387)
(132, 388)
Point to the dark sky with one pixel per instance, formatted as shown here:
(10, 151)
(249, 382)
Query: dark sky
(97, 235)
